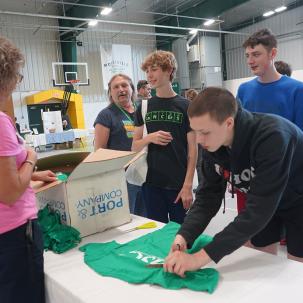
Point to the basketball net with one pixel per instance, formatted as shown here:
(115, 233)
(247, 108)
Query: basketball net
(76, 85)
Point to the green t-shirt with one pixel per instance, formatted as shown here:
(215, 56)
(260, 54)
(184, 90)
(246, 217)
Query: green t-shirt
(128, 261)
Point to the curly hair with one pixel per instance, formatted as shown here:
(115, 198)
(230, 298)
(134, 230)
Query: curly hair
(191, 94)
(11, 60)
(164, 59)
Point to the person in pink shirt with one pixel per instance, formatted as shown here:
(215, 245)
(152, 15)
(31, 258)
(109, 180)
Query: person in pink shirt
(21, 244)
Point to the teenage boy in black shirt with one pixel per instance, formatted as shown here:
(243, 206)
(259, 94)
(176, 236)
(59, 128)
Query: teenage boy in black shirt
(172, 151)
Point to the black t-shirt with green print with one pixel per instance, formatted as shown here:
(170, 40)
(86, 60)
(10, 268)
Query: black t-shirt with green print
(166, 164)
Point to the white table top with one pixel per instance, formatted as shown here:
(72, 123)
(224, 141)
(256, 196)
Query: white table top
(246, 276)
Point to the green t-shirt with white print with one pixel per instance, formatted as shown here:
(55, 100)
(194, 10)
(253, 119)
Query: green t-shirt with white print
(128, 261)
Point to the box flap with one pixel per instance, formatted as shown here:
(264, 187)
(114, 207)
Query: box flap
(39, 186)
(107, 154)
(135, 158)
(100, 161)
(64, 162)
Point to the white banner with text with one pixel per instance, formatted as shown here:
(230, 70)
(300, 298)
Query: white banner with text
(116, 60)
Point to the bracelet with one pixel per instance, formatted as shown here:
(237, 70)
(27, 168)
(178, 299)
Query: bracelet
(32, 164)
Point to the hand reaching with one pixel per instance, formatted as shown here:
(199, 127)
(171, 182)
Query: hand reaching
(179, 262)
(186, 196)
(179, 244)
(44, 175)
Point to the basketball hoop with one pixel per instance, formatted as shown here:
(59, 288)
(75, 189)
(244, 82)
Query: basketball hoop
(75, 84)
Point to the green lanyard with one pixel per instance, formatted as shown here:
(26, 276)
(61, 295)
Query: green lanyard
(125, 113)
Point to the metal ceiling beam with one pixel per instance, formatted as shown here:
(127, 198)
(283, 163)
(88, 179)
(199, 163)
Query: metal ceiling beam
(259, 18)
(80, 9)
(177, 16)
(74, 3)
(37, 27)
(206, 9)
(175, 28)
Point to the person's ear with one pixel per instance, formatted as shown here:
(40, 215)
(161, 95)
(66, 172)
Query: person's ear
(230, 122)
(170, 71)
(273, 53)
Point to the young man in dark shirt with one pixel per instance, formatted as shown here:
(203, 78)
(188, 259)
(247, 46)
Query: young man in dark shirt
(143, 91)
(259, 154)
(172, 151)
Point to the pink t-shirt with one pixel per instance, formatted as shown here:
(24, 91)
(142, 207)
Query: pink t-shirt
(25, 207)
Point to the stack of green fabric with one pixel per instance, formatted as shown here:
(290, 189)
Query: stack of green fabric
(57, 237)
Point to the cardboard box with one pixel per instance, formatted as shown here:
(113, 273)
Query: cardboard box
(94, 197)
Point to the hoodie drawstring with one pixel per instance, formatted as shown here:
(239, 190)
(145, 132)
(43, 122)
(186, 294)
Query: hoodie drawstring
(224, 202)
(232, 185)
(232, 190)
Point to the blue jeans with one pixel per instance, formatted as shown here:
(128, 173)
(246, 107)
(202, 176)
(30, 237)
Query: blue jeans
(136, 203)
(160, 204)
(21, 266)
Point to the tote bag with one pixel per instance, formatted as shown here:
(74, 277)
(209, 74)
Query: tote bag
(137, 170)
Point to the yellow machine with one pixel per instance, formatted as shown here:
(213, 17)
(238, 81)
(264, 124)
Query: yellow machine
(75, 108)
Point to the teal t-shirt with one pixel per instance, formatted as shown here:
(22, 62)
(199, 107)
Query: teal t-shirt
(128, 261)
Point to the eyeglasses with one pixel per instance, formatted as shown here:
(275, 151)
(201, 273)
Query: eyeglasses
(20, 78)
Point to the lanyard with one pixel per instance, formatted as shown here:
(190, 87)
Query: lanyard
(125, 113)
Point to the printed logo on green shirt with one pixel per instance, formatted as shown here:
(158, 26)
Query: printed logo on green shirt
(147, 258)
(167, 116)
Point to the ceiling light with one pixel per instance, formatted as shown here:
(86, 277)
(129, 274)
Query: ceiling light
(106, 11)
(193, 31)
(209, 22)
(280, 9)
(269, 13)
(92, 22)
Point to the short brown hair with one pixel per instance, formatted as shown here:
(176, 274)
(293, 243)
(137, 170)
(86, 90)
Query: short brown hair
(164, 59)
(141, 83)
(218, 102)
(283, 68)
(191, 94)
(264, 37)
(11, 60)
(126, 78)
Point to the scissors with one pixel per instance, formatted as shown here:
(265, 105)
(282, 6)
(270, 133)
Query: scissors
(160, 265)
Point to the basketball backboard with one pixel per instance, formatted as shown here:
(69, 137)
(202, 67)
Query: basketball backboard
(64, 72)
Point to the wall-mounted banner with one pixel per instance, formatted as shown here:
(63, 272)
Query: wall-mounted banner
(116, 60)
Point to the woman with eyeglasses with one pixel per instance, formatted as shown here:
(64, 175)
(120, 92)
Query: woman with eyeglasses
(21, 245)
